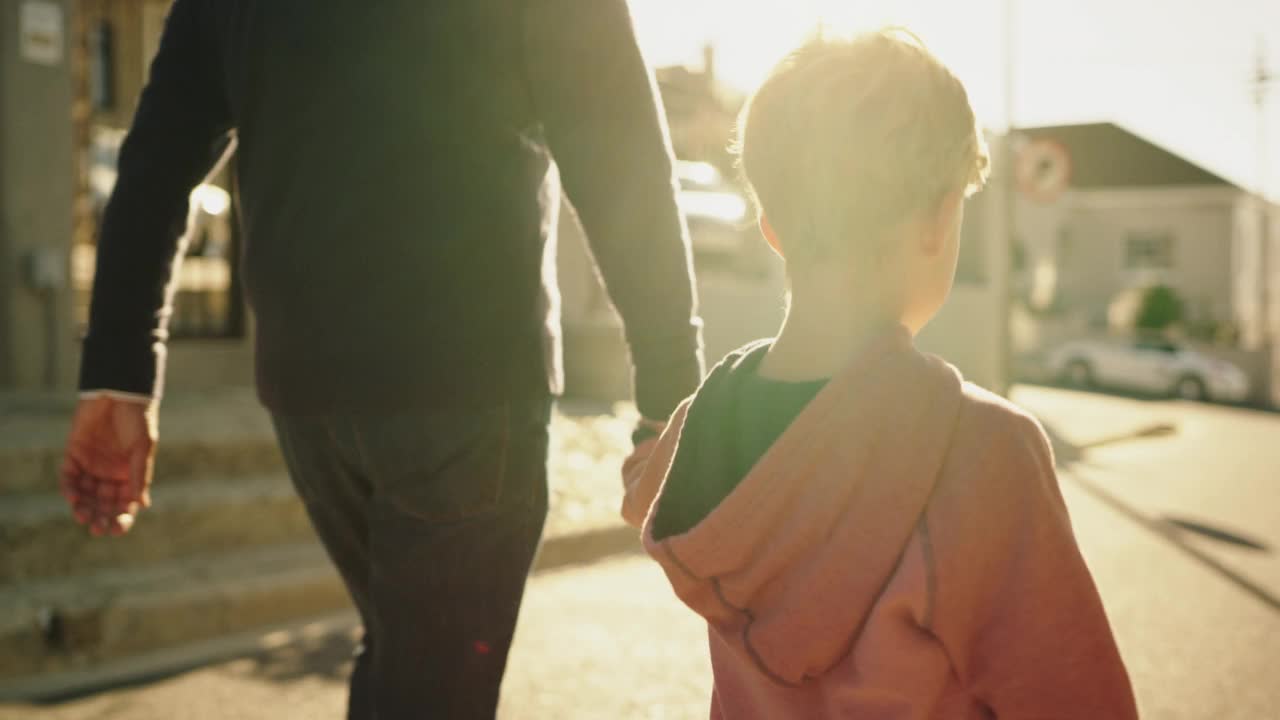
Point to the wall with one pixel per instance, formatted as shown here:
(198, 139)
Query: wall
(1091, 246)
(209, 364)
(36, 196)
(8, 271)
(1273, 313)
(972, 329)
(735, 307)
(967, 334)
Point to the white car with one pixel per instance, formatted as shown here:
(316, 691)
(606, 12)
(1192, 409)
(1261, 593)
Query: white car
(1148, 365)
(721, 226)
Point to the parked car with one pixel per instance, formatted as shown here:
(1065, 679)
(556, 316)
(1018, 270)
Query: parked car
(1148, 365)
(721, 226)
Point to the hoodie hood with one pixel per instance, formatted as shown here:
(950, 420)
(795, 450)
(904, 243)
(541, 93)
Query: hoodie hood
(787, 566)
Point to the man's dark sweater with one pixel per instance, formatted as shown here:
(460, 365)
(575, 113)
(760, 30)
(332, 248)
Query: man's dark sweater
(396, 184)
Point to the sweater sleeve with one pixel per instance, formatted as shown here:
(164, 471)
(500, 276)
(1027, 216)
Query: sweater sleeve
(181, 121)
(604, 124)
(1015, 605)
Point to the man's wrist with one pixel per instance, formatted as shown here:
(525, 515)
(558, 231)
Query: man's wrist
(656, 426)
(122, 396)
(647, 429)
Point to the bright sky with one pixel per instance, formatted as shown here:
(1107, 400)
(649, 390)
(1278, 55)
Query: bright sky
(1176, 71)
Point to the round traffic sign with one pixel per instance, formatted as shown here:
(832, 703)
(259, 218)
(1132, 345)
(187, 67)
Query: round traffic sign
(1043, 169)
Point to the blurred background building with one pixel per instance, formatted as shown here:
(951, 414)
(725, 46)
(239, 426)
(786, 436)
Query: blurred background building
(1101, 214)
(68, 103)
(70, 78)
(1132, 216)
(741, 284)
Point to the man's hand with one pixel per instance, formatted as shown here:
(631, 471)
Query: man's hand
(106, 473)
(646, 429)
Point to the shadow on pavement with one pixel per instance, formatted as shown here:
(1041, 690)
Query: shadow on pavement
(324, 654)
(1155, 430)
(1172, 530)
(1216, 533)
(1065, 453)
(329, 657)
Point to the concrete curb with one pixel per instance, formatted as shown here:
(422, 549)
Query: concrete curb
(556, 552)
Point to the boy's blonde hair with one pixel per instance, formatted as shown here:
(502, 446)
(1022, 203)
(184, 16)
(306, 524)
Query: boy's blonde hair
(848, 137)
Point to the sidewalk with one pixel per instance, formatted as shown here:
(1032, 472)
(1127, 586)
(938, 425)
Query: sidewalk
(1193, 605)
(226, 549)
(604, 640)
(609, 640)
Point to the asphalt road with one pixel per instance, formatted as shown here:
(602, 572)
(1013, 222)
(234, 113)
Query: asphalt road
(1180, 524)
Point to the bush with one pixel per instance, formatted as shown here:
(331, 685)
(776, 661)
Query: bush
(1160, 308)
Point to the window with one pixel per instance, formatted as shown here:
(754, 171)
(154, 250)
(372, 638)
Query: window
(1149, 251)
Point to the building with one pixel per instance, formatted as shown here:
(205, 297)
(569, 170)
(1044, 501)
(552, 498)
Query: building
(1136, 214)
(70, 77)
(1133, 214)
(742, 290)
(701, 112)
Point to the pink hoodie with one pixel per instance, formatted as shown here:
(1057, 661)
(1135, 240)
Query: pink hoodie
(901, 551)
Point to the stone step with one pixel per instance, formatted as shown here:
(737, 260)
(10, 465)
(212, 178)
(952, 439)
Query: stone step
(225, 549)
(39, 539)
(223, 435)
(33, 468)
(71, 634)
(69, 624)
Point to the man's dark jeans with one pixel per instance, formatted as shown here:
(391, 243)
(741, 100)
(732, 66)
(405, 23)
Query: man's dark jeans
(433, 519)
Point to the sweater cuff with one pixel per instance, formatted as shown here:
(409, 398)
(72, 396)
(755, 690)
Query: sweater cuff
(123, 367)
(117, 395)
(664, 379)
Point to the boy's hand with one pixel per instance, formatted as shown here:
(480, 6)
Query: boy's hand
(641, 482)
(110, 455)
(644, 441)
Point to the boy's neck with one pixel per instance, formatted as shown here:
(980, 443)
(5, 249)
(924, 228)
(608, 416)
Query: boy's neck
(817, 341)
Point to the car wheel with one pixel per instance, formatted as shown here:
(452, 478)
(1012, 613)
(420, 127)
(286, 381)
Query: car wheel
(1191, 388)
(1079, 374)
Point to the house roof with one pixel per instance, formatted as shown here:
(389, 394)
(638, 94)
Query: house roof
(1105, 155)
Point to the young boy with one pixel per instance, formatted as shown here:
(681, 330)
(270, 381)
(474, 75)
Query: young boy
(867, 535)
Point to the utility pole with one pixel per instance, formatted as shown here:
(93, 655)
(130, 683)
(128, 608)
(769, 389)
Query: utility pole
(1006, 236)
(1262, 78)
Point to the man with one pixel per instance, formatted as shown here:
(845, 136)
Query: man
(397, 189)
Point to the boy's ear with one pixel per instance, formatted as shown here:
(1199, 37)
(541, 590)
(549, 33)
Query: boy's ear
(937, 229)
(770, 236)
